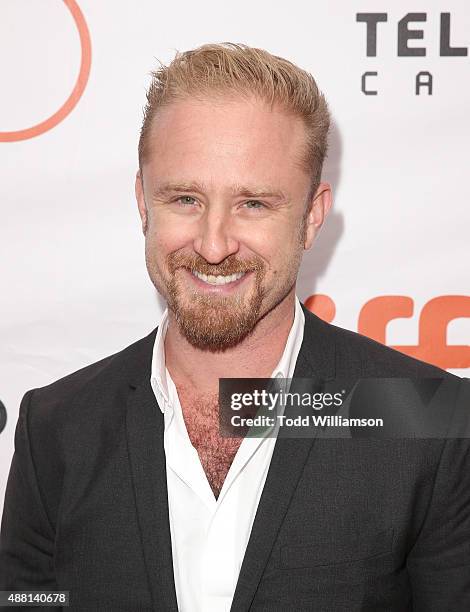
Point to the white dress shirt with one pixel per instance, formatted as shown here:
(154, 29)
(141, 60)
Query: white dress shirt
(208, 535)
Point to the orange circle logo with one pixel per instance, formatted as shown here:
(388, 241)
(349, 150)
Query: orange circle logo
(80, 84)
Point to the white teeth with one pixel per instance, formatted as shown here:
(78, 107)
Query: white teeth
(218, 280)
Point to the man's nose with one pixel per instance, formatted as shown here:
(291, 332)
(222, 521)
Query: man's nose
(215, 240)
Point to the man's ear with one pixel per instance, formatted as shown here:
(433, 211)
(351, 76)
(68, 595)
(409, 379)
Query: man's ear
(139, 194)
(318, 208)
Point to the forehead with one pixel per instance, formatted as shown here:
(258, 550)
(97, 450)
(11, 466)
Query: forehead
(229, 138)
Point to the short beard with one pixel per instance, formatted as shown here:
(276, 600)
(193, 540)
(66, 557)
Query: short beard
(213, 322)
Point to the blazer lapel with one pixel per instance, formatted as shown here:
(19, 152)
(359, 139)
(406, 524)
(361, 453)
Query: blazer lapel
(145, 427)
(316, 361)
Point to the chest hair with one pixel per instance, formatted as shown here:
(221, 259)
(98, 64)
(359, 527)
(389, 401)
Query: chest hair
(216, 453)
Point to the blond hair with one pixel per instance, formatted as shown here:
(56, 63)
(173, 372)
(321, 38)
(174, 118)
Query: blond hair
(236, 68)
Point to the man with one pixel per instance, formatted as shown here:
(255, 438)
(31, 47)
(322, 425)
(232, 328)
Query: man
(122, 489)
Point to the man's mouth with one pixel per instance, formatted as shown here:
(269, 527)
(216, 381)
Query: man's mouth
(220, 279)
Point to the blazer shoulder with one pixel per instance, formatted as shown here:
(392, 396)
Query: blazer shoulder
(107, 373)
(359, 355)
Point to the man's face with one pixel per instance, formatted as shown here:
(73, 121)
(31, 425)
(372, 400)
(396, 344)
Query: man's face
(223, 200)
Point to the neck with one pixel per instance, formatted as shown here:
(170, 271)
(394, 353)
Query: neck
(255, 357)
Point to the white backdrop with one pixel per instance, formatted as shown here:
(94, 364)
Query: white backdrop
(73, 278)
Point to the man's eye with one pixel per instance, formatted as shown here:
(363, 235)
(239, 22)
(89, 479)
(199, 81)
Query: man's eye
(254, 204)
(186, 200)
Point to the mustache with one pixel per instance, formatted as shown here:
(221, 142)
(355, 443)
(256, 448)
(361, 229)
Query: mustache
(230, 265)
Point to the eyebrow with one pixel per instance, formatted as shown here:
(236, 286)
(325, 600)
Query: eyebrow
(237, 190)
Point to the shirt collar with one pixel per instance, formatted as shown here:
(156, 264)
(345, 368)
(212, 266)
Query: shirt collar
(158, 377)
(286, 365)
(284, 369)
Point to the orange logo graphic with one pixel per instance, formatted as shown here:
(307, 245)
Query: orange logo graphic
(433, 321)
(77, 91)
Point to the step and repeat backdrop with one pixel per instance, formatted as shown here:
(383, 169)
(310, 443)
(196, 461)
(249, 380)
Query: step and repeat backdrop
(392, 261)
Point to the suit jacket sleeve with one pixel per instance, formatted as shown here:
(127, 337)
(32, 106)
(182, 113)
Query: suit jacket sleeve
(439, 563)
(27, 536)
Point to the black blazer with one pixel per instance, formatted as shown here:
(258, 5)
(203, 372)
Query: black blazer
(343, 525)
